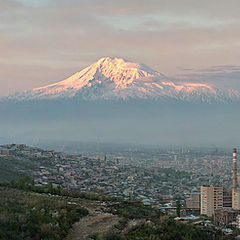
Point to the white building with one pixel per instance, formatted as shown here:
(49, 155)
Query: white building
(211, 199)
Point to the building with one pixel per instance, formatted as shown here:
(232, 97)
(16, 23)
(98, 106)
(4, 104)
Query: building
(211, 199)
(235, 198)
(226, 216)
(230, 211)
(234, 176)
(193, 204)
(194, 200)
(227, 198)
(4, 152)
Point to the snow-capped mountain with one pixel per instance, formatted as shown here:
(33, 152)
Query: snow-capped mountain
(145, 107)
(116, 78)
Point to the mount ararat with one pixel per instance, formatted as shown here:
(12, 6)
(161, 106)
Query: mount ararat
(125, 102)
(118, 79)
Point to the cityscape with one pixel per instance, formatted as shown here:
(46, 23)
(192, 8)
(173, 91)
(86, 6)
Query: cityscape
(206, 182)
(119, 120)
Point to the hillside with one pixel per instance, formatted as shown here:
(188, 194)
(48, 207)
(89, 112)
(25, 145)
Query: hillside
(28, 213)
(48, 213)
(48, 209)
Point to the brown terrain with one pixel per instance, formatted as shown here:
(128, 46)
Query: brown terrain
(91, 224)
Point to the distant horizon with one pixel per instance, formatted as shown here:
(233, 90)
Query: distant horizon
(104, 145)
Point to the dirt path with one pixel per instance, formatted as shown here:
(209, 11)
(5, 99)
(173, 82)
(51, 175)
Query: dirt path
(90, 225)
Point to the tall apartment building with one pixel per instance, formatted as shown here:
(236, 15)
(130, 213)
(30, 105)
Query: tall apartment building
(236, 198)
(211, 199)
(227, 198)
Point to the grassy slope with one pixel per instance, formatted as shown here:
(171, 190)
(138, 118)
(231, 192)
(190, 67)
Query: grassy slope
(28, 215)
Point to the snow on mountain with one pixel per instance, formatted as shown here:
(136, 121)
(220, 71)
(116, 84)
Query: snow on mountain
(116, 78)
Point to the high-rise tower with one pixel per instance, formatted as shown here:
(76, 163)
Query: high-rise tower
(211, 199)
(234, 169)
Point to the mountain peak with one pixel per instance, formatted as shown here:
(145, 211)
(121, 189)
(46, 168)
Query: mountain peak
(118, 78)
(108, 72)
(120, 64)
(114, 67)
(121, 71)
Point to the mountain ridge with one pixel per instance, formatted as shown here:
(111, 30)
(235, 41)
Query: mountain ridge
(116, 78)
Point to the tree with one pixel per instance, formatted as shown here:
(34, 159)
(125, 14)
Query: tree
(178, 209)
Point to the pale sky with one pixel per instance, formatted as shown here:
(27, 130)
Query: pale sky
(45, 41)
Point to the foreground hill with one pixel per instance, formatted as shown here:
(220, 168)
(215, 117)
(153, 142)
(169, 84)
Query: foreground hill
(31, 212)
(31, 215)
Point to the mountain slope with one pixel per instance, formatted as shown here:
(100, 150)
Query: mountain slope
(116, 78)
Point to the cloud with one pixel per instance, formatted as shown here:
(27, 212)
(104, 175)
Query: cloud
(34, 3)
